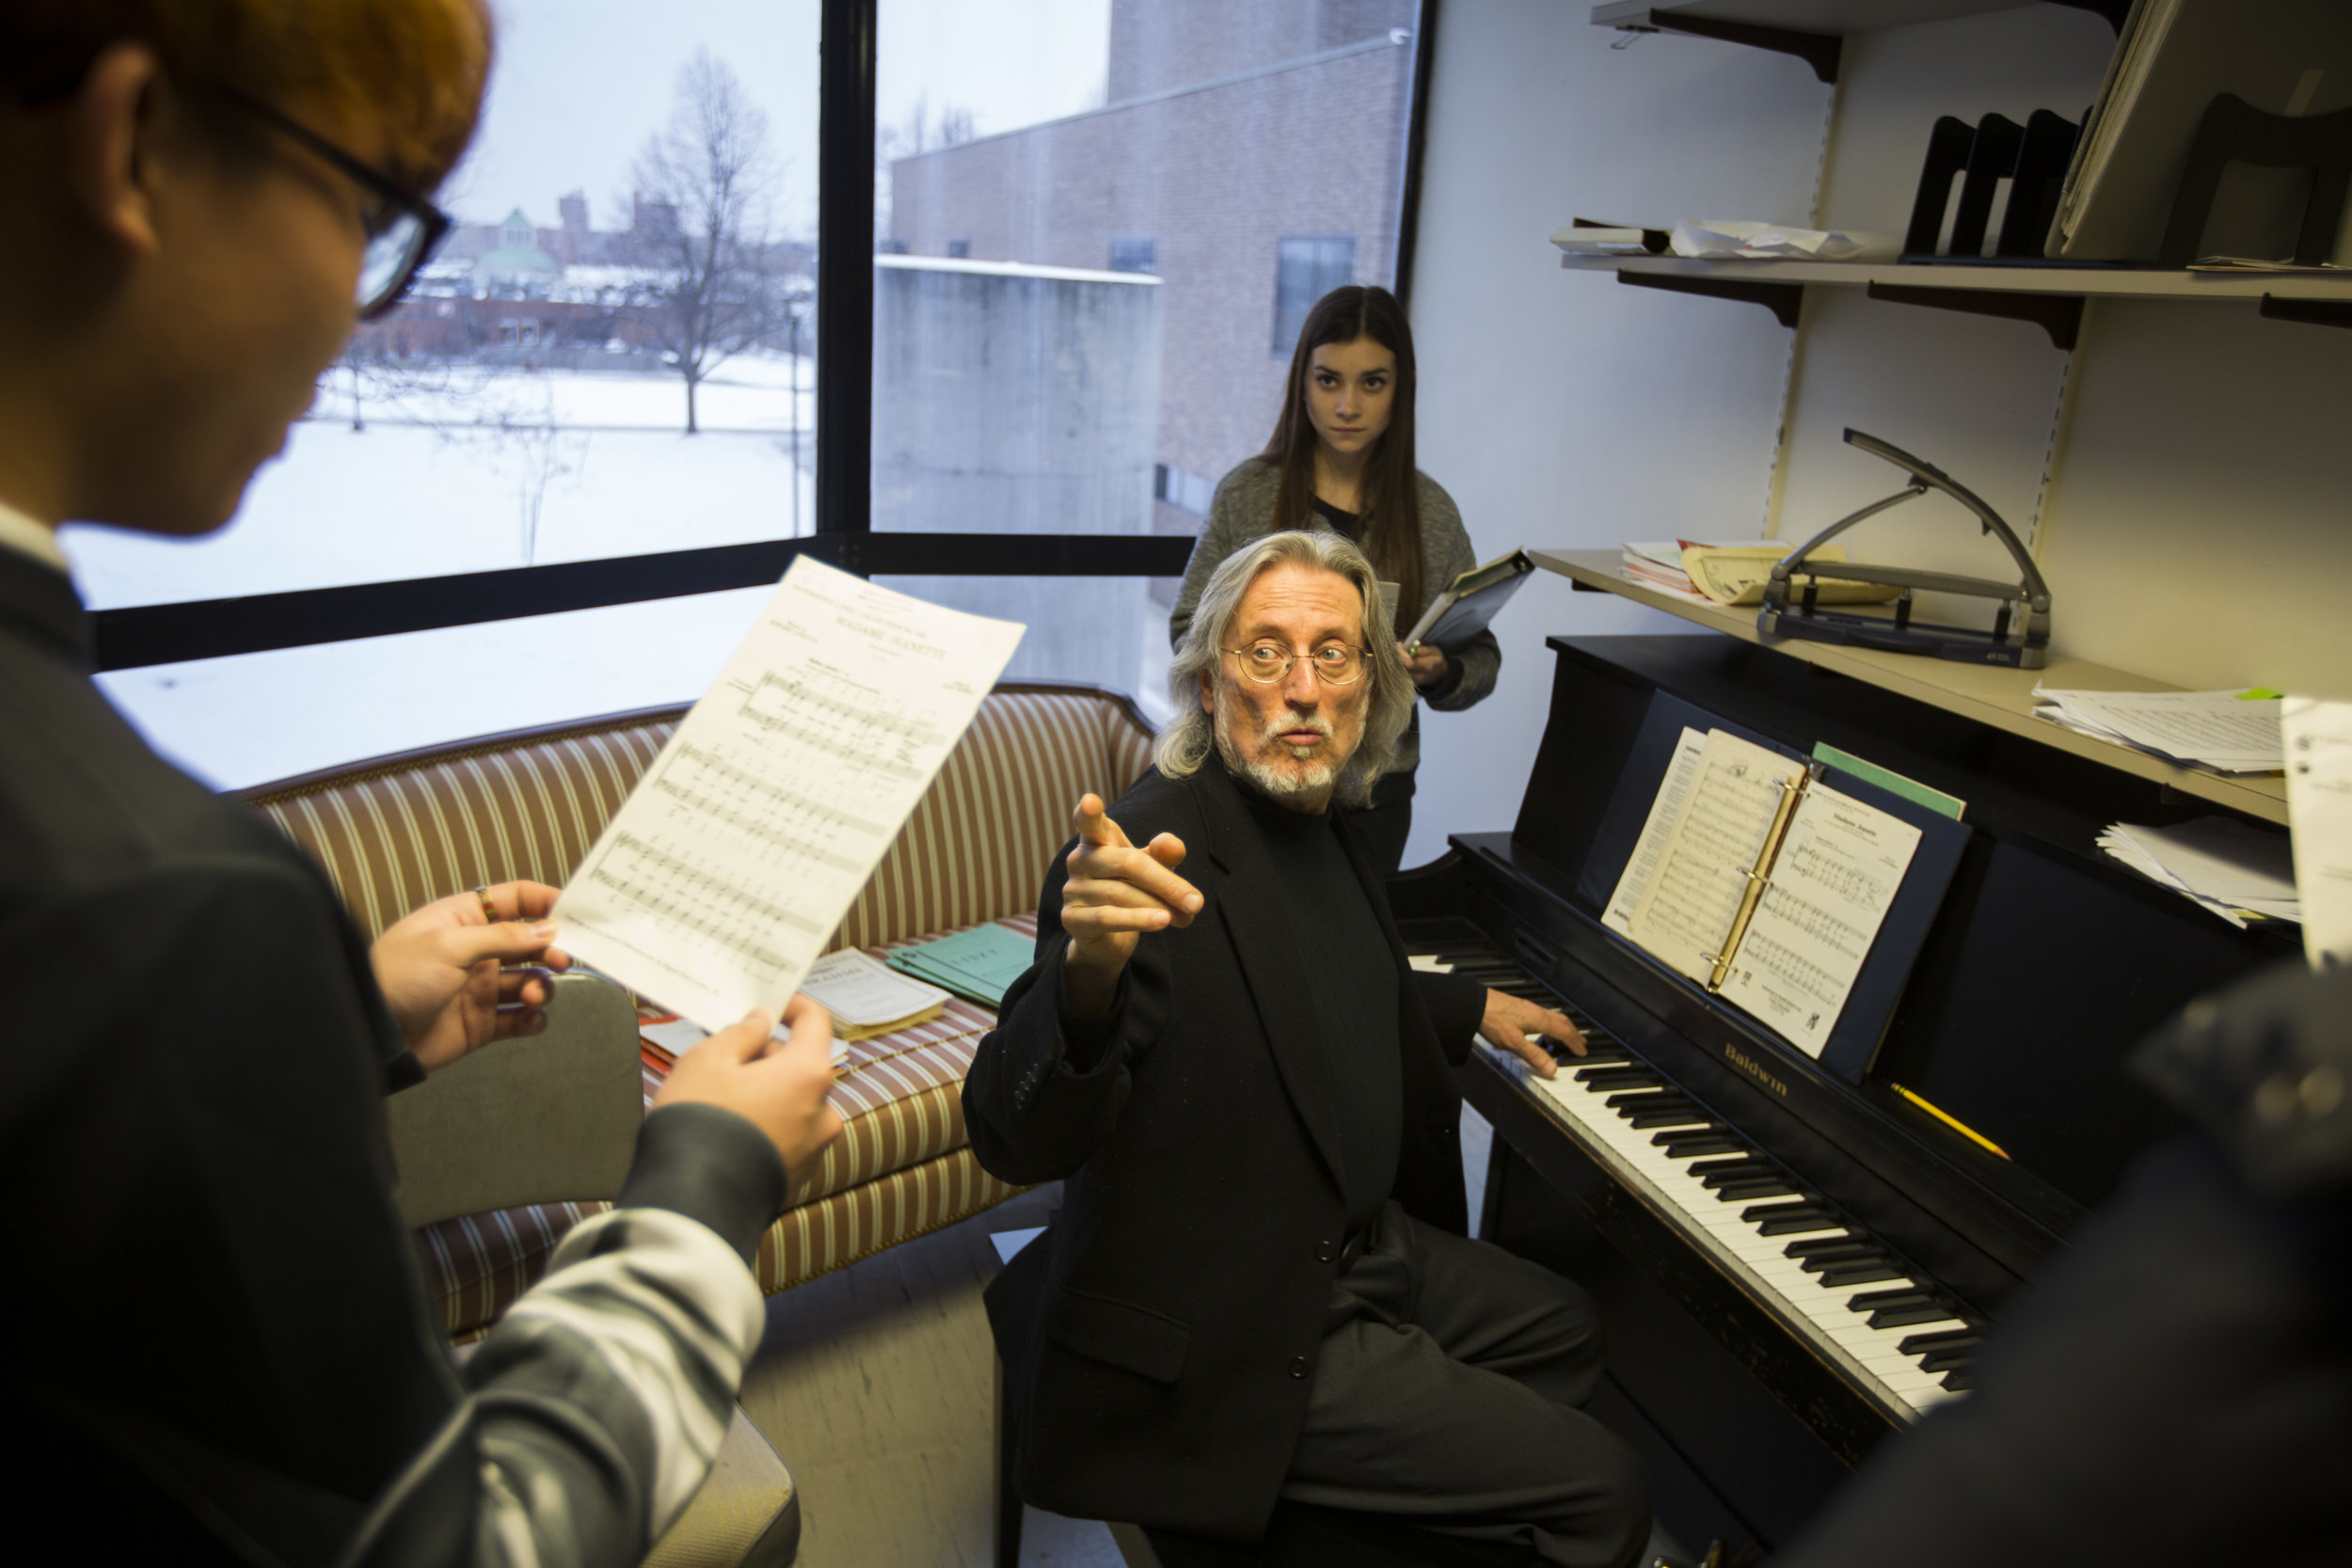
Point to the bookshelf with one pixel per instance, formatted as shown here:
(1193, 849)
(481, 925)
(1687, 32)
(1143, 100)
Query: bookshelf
(2149, 284)
(2002, 699)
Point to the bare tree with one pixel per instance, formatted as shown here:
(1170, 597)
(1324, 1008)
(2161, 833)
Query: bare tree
(711, 281)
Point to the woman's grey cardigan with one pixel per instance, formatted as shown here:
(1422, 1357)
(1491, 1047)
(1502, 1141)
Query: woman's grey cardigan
(1243, 510)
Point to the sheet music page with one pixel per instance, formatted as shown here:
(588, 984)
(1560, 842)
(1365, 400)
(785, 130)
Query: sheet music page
(1832, 885)
(1660, 823)
(2319, 799)
(1702, 869)
(715, 885)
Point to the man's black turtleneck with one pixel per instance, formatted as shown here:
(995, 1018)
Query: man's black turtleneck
(1351, 977)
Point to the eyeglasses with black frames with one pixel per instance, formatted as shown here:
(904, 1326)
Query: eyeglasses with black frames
(403, 229)
(1334, 663)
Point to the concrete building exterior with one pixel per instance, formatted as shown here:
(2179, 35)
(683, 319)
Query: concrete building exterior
(1016, 399)
(1251, 155)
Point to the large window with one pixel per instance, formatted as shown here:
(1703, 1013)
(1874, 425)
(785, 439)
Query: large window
(540, 486)
(1076, 200)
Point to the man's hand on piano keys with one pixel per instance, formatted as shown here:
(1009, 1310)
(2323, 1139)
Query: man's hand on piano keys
(1518, 1025)
(1116, 892)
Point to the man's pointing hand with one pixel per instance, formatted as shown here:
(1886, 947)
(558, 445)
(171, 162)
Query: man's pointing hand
(1116, 892)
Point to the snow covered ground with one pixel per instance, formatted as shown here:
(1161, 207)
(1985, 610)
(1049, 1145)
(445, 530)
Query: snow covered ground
(470, 470)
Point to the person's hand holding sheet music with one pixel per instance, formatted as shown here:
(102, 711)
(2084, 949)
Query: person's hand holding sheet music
(777, 1085)
(444, 968)
(1116, 892)
(1514, 1024)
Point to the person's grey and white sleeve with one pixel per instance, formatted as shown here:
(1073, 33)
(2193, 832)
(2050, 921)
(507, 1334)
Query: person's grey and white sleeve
(594, 1410)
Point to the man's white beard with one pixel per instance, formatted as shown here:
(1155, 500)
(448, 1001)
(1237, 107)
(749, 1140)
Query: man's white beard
(1281, 783)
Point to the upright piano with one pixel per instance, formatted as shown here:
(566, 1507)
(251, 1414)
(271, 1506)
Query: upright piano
(1795, 1263)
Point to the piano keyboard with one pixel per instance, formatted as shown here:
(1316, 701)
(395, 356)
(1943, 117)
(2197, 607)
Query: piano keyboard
(1827, 1279)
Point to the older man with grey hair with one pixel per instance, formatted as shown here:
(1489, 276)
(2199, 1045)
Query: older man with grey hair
(1258, 1287)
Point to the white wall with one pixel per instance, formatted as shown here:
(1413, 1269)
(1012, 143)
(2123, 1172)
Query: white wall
(2184, 476)
(1565, 409)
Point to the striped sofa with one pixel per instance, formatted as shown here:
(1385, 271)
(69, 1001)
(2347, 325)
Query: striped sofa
(397, 831)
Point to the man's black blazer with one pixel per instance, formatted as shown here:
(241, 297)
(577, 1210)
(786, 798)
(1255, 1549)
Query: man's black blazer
(192, 1142)
(1159, 1337)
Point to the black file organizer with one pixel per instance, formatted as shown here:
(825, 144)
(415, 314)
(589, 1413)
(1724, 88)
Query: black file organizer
(1901, 934)
(2234, 131)
(2033, 158)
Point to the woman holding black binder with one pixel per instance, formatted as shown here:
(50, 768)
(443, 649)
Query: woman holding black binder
(1342, 458)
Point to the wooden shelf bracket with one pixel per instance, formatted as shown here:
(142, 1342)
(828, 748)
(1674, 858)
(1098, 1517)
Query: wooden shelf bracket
(2060, 315)
(1818, 49)
(1784, 300)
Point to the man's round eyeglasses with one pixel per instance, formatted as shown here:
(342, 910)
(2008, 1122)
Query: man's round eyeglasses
(1334, 663)
(403, 229)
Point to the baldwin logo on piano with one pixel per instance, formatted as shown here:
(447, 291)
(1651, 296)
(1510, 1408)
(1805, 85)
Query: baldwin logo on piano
(1753, 1070)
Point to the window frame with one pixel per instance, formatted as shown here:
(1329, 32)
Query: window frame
(138, 636)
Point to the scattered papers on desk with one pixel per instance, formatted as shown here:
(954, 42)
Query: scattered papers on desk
(980, 963)
(723, 876)
(2222, 732)
(1729, 240)
(1736, 574)
(2237, 871)
(2319, 803)
(868, 998)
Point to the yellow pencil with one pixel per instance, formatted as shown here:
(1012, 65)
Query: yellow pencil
(1953, 1122)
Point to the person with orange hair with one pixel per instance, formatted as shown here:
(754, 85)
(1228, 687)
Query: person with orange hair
(232, 1360)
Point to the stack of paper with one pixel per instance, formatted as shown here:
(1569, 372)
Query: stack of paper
(2237, 871)
(2319, 801)
(980, 964)
(867, 998)
(1659, 565)
(2224, 732)
(1588, 237)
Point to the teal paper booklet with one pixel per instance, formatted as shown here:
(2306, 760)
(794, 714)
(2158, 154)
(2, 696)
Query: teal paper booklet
(980, 964)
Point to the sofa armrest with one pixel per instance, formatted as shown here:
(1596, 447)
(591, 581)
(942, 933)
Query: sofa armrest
(549, 1120)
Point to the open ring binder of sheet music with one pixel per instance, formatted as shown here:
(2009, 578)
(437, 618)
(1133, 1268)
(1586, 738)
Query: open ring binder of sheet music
(1799, 895)
(716, 884)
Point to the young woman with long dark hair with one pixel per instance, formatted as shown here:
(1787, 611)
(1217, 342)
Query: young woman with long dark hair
(1342, 458)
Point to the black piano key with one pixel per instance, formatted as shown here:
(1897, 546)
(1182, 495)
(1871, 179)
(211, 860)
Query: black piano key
(1958, 1380)
(1708, 1170)
(1898, 1317)
(1950, 1339)
(1643, 1099)
(1601, 1078)
(1808, 1247)
(1756, 1187)
(1947, 1360)
(1844, 1250)
(1688, 1116)
(1908, 1296)
(1686, 1146)
(1782, 1219)
(1863, 1271)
